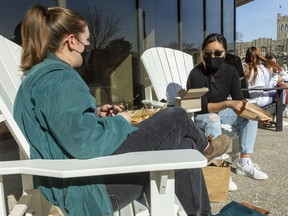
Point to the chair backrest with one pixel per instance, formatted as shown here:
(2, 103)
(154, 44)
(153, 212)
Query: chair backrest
(168, 70)
(10, 75)
(10, 80)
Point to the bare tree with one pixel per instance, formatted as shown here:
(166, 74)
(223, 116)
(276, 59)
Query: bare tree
(175, 45)
(103, 27)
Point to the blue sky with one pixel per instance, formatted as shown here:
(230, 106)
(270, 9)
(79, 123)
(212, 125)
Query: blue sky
(259, 18)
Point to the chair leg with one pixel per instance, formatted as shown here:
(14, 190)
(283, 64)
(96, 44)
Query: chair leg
(162, 193)
(235, 150)
(279, 111)
(2, 201)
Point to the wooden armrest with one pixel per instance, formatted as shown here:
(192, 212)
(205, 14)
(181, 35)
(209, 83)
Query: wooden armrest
(123, 163)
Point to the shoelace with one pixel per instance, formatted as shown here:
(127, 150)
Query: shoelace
(256, 166)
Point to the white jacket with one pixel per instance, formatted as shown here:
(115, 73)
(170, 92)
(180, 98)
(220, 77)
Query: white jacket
(263, 80)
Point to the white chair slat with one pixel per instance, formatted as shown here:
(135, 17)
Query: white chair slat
(127, 210)
(180, 211)
(185, 65)
(170, 72)
(140, 209)
(21, 206)
(10, 54)
(189, 64)
(14, 129)
(157, 69)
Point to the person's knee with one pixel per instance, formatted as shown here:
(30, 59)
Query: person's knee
(213, 118)
(179, 111)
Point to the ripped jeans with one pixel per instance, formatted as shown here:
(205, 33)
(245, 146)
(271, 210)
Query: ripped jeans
(211, 123)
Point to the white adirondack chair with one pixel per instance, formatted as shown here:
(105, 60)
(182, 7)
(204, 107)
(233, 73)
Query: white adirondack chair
(168, 70)
(160, 164)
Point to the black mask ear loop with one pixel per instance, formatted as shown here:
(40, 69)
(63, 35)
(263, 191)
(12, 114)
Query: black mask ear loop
(86, 52)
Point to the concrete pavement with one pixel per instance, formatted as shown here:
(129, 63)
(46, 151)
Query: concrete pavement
(270, 153)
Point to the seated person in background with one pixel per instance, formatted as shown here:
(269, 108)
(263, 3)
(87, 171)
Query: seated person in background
(222, 80)
(56, 112)
(283, 73)
(284, 66)
(283, 76)
(260, 73)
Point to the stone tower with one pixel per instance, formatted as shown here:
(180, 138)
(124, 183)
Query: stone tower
(282, 27)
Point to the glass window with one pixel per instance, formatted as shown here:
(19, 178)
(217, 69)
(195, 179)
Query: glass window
(213, 16)
(158, 26)
(192, 27)
(159, 23)
(120, 32)
(228, 22)
(12, 13)
(112, 26)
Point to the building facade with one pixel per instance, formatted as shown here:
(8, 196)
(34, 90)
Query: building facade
(267, 45)
(121, 30)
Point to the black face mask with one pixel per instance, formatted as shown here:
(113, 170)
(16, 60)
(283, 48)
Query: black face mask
(86, 52)
(213, 63)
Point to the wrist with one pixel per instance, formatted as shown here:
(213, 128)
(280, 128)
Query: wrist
(226, 105)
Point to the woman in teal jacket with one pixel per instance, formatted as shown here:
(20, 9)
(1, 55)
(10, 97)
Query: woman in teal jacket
(57, 114)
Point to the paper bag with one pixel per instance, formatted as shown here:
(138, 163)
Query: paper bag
(217, 177)
(253, 112)
(142, 114)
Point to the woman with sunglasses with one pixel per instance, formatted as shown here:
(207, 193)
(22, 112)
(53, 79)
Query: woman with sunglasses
(222, 80)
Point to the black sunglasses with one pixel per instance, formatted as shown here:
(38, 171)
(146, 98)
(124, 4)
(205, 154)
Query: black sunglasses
(210, 54)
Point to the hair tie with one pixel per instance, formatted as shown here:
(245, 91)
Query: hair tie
(44, 11)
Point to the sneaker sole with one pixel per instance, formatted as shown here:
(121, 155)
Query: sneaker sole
(239, 172)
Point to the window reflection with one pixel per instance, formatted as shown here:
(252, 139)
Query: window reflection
(213, 16)
(12, 13)
(122, 30)
(160, 23)
(192, 25)
(228, 22)
(112, 32)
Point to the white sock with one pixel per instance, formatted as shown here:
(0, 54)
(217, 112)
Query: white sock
(243, 161)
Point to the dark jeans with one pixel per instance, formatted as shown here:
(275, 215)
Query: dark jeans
(170, 128)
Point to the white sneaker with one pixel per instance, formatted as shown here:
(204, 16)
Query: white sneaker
(232, 185)
(250, 169)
